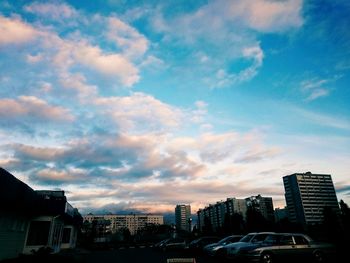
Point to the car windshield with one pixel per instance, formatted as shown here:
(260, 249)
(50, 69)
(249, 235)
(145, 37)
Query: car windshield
(175, 240)
(225, 240)
(247, 238)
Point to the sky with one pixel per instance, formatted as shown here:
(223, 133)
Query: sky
(142, 105)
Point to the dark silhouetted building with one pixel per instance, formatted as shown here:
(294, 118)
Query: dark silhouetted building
(32, 219)
(183, 217)
(262, 204)
(215, 214)
(281, 213)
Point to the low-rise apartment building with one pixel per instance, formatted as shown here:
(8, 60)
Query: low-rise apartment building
(132, 222)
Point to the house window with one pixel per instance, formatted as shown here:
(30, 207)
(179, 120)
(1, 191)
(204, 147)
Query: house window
(38, 233)
(66, 235)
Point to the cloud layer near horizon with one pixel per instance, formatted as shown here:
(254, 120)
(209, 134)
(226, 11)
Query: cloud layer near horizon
(141, 108)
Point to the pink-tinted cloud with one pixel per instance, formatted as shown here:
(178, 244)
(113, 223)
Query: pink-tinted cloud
(52, 10)
(126, 37)
(33, 107)
(15, 31)
(140, 110)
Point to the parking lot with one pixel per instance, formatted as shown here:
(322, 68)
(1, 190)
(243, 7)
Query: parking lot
(136, 255)
(128, 255)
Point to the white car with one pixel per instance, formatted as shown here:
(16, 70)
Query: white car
(212, 249)
(250, 240)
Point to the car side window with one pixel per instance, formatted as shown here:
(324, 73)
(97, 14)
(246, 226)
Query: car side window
(271, 239)
(287, 240)
(259, 238)
(300, 240)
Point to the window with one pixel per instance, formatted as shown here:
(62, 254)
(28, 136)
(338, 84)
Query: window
(300, 240)
(271, 239)
(247, 238)
(259, 238)
(38, 233)
(287, 240)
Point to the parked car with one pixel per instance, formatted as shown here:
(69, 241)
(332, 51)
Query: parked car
(213, 248)
(289, 247)
(200, 243)
(251, 240)
(171, 244)
(159, 244)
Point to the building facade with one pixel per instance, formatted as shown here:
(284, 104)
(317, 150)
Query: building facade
(281, 214)
(183, 217)
(307, 195)
(215, 214)
(131, 222)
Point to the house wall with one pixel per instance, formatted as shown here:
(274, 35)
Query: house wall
(13, 230)
(54, 235)
(72, 237)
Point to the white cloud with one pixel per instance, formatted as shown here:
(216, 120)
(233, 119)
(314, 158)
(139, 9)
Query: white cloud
(140, 111)
(127, 38)
(199, 114)
(15, 31)
(268, 15)
(152, 62)
(56, 11)
(317, 93)
(50, 175)
(77, 83)
(254, 53)
(110, 64)
(35, 58)
(65, 53)
(226, 30)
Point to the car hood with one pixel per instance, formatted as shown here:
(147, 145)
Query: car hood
(212, 245)
(237, 245)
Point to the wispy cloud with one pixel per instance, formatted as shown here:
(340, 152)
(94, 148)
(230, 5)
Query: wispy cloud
(317, 88)
(324, 119)
(56, 11)
(229, 28)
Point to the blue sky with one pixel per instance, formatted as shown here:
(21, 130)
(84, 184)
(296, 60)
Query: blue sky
(140, 105)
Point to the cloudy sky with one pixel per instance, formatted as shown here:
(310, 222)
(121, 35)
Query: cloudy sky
(140, 105)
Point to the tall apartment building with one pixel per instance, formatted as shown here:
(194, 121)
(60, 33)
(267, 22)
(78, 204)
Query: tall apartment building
(307, 195)
(183, 217)
(132, 222)
(216, 213)
(262, 204)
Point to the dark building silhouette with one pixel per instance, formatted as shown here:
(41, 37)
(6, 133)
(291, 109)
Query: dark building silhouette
(32, 219)
(183, 217)
(307, 195)
(262, 204)
(213, 216)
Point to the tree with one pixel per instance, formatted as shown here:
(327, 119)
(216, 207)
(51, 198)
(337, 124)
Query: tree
(331, 225)
(255, 220)
(207, 228)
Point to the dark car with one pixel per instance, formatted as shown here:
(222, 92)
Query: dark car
(171, 244)
(200, 243)
(289, 247)
(213, 248)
